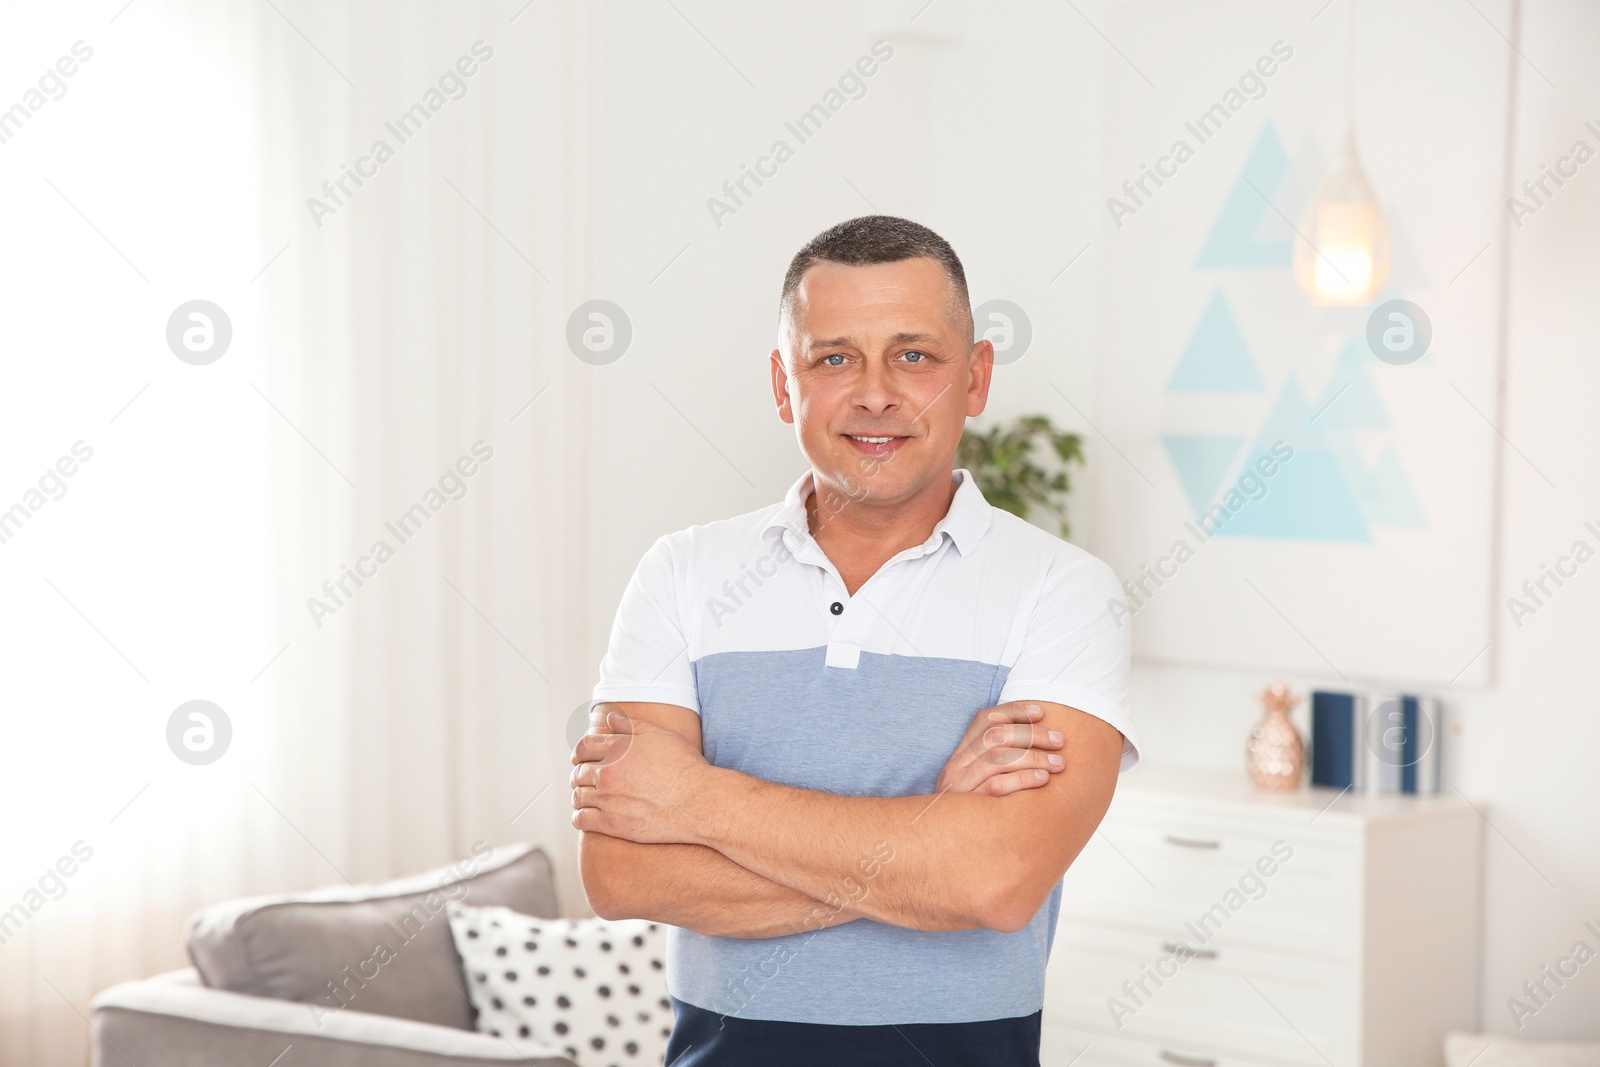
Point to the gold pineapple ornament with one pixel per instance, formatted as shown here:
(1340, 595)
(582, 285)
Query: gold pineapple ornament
(1275, 755)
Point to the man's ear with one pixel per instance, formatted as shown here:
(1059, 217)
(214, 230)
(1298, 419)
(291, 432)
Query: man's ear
(780, 387)
(980, 366)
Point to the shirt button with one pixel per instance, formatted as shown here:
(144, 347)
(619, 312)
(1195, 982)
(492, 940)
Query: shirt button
(837, 608)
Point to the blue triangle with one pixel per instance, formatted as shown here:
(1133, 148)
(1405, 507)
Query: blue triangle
(1349, 401)
(1201, 463)
(1234, 239)
(1216, 360)
(1348, 459)
(1290, 419)
(1387, 499)
(1306, 497)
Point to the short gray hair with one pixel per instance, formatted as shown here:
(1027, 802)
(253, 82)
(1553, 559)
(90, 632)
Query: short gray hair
(873, 239)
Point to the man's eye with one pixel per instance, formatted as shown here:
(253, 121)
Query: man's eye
(920, 356)
(828, 359)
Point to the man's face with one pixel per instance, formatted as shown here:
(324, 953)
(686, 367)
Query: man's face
(871, 352)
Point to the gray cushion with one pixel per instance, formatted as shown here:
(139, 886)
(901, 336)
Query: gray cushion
(383, 948)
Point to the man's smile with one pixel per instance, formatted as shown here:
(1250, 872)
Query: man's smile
(875, 445)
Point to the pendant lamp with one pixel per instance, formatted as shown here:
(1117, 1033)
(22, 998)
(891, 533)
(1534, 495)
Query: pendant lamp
(1342, 252)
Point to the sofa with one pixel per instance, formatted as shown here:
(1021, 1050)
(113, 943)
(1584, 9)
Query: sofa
(297, 981)
(350, 976)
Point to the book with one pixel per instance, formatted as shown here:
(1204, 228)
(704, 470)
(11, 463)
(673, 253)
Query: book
(1338, 726)
(1376, 743)
(1403, 742)
(1430, 744)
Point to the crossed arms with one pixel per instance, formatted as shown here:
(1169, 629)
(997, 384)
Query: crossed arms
(669, 837)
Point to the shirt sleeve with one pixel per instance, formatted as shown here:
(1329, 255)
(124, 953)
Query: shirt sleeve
(647, 658)
(1075, 653)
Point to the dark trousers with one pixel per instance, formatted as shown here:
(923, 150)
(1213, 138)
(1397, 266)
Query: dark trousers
(702, 1038)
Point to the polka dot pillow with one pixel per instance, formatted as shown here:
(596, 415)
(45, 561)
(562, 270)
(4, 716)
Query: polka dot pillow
(596, 989)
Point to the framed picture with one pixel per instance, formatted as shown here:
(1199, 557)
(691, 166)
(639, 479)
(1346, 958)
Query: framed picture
(1276, 495)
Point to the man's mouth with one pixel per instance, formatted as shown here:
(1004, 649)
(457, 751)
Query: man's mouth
(875, 444)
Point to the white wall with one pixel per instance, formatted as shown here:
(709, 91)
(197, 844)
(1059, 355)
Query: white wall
(1524, 750)
(975, 127)
(1018, 190)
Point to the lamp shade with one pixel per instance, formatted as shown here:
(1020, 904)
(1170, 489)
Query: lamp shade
(1342, 252)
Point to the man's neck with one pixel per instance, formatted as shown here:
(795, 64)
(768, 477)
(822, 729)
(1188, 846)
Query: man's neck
(860, 536)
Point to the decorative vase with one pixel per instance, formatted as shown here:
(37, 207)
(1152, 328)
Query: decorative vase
(1275, 755)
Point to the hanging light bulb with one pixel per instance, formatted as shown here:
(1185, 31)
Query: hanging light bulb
(1342, 253)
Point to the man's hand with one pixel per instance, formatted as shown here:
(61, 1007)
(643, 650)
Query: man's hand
(691, 886)
(1006, 750)
(634, 781)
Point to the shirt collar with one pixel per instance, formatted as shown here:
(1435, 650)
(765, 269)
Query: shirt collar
(967, 520)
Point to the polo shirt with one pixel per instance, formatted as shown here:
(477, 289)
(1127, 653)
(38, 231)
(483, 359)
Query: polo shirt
(746, 622)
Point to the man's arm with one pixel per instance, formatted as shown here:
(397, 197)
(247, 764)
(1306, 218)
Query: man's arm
(689, 885)
(958, 861)
(695, 886)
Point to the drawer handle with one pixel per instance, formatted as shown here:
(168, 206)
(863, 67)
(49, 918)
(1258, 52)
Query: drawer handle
(1192, 842)
(1175, 947)
(1187, 1061)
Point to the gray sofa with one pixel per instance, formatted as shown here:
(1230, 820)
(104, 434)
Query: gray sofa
(346, 976)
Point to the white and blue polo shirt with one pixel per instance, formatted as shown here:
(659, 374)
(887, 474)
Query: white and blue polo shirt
(747, 623)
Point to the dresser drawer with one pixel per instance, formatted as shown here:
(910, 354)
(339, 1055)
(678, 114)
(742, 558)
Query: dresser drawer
(1251, 1002)
(1353, 943)
(1193, 878)
(1063, 1046)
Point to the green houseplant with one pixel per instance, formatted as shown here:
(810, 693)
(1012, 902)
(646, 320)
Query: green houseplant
(1002, 462)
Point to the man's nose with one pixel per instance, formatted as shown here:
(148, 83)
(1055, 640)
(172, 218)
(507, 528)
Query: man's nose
(875, 390)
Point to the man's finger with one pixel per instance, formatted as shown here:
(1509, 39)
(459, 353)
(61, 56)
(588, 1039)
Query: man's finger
(996, 746)
(1016, 712)
(590, 748)
(1049, 761)
(1011, 761)
(1009, 713)
(1014, 782)
(1022, 736)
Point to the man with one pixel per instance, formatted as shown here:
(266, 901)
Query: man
(830, 753)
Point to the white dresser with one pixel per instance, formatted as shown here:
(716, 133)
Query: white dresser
(1211, 925)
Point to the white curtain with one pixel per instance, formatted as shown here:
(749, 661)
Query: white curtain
(411, 715)
(137, 581)
(410, 333)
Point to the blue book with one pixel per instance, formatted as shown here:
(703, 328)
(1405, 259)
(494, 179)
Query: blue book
(1410, 752)
(1336, 729)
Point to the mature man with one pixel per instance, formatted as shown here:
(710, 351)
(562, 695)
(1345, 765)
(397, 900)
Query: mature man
(830, 755)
